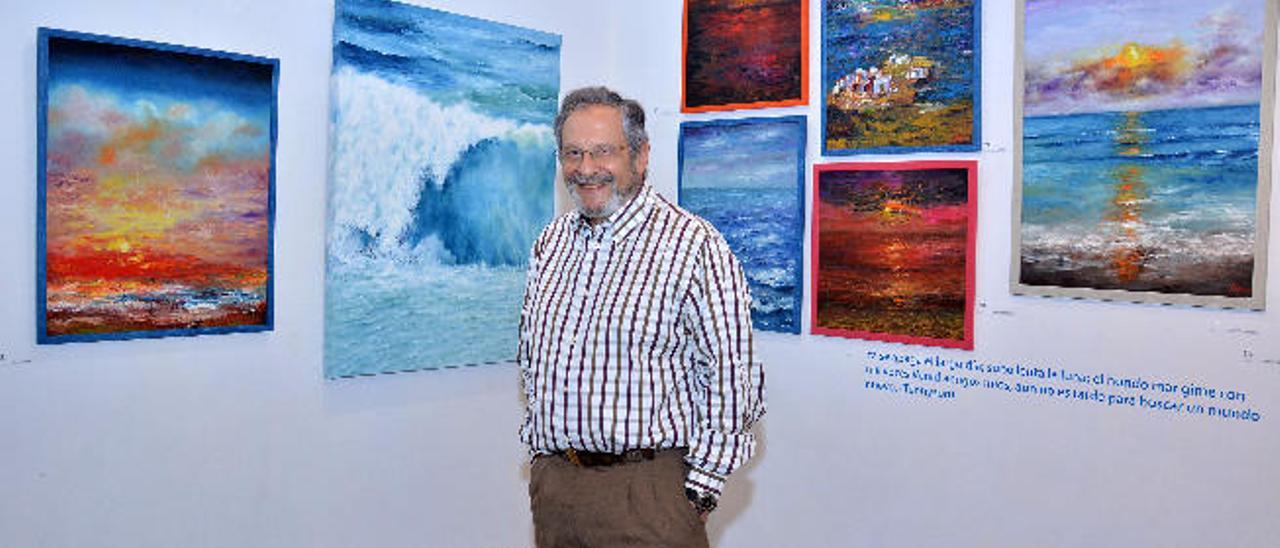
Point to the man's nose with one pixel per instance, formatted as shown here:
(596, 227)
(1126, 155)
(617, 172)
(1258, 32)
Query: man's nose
(589, 163)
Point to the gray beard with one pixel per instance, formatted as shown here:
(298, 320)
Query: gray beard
(611, 206)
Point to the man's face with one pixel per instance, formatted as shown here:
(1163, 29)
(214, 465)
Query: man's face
(599, 170)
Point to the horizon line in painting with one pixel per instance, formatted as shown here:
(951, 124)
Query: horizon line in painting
(746, 177)
(442, 174)
(156, 191)
(901, 76)
(893, 251)
(1144, 169)
(744, 54)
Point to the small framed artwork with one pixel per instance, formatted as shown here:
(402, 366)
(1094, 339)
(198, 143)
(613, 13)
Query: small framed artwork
(893, 251)
(156, 177)
(901, 76)
(746, 177)
(745, 54)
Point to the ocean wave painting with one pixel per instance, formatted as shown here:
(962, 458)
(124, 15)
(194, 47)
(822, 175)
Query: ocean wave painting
(746, 177)
(442, 173)
(156, 168)
(1141, 139)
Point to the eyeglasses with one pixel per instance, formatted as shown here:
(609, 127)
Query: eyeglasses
(600, 153)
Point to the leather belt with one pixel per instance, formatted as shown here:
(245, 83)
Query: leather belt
(590, 459)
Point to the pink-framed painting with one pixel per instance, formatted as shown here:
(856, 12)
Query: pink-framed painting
(893, 247)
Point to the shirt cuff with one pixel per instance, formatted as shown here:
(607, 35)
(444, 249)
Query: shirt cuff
(705, 483)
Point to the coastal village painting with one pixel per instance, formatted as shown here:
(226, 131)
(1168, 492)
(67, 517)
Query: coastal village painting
(1144, 150)
(900, 76)
(156, 171)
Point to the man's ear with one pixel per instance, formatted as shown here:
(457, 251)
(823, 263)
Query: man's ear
(640, 163)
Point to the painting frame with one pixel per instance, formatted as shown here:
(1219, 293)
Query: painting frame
(966, 340)
(44, 36)
(803, 78)
(1257, 299)
(974, 142)
(800, 122)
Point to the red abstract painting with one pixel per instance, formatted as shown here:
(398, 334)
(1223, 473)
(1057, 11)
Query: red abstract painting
(742, 54)
(893, 251)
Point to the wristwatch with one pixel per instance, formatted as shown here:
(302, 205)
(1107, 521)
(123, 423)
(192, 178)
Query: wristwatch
(704, 504)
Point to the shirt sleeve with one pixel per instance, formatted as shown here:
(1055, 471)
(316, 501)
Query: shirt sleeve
(524, 348)
(727, 384)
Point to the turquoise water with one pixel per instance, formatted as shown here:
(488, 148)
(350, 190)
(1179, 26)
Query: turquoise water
(443, 165)
(398, 317)
(1171, 194)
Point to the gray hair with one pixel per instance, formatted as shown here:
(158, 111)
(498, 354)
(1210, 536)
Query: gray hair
(632, 113)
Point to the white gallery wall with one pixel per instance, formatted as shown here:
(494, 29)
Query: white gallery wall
(236, 440)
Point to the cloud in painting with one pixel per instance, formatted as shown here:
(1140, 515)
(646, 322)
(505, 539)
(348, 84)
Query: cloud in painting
(155, 177)
(1218, 65)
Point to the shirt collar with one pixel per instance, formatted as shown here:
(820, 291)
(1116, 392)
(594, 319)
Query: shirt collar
(626, 219)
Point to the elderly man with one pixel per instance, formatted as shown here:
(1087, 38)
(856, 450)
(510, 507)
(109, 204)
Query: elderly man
(635, 349)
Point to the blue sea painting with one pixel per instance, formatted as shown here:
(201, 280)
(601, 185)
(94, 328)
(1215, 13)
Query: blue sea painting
(746, 177)
(442, 173)
(1140, 147)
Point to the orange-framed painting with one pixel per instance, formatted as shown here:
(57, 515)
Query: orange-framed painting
(744, 54)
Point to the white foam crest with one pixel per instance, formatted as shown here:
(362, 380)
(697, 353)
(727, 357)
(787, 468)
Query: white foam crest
(774, 277)
(386, 138)
(1160, 239)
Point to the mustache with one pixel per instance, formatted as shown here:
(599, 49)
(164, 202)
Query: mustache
(601, 178)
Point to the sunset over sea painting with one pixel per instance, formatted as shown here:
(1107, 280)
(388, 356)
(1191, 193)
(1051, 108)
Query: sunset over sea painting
(893, 251)
(1144, 152)
(741, 54)
(156, 181)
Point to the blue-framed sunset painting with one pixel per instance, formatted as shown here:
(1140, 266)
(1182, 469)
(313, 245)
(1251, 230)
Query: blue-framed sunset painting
(901, 76)
(746, 177)
(442, 174)
(1145, 150)
(156, 189)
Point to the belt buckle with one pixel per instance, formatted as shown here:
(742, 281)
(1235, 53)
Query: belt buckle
(572, 455)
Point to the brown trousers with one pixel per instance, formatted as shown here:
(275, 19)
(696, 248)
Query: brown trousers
(630, 505)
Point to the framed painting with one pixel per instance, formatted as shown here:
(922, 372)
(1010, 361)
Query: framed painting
(156, 189)
(901, 76)
(1143, 150)
(893, 251)
(741, 54)
(747, 178)
(442, 171)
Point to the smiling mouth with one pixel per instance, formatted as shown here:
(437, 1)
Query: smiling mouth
(591, 181)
